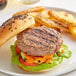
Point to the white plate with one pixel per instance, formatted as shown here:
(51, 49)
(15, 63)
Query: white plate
(5, 54)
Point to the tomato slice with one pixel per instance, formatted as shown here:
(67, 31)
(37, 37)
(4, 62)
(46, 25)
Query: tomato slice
(26, 64)
(17, 50)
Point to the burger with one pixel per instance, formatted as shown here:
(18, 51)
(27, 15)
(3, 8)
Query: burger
(37, 49)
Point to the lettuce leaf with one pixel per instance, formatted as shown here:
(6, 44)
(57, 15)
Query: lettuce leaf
(67, 53)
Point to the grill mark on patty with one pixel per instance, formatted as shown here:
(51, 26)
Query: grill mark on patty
(32, 34)
(36, 42)
(55, 32)
(42, 32)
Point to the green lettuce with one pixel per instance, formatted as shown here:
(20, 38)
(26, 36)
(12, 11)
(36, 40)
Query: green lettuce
(67, 53)
(56, 60)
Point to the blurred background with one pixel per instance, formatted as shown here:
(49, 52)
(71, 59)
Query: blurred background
(7, 5)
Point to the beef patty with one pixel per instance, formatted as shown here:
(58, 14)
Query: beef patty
(39, 41)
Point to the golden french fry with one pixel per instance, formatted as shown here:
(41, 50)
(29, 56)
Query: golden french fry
(72, 30)
(63, 17)
(48, 22)
(44, 14)
(34, 9)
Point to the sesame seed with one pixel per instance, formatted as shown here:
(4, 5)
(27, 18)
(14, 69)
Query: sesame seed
(13, 21)
(11, 30)
(2, 31)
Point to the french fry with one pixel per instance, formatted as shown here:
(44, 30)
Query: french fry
(48, 22)
(63, 17)
(44, 14)
(34, 9)
(72, 30)
(57, 20)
